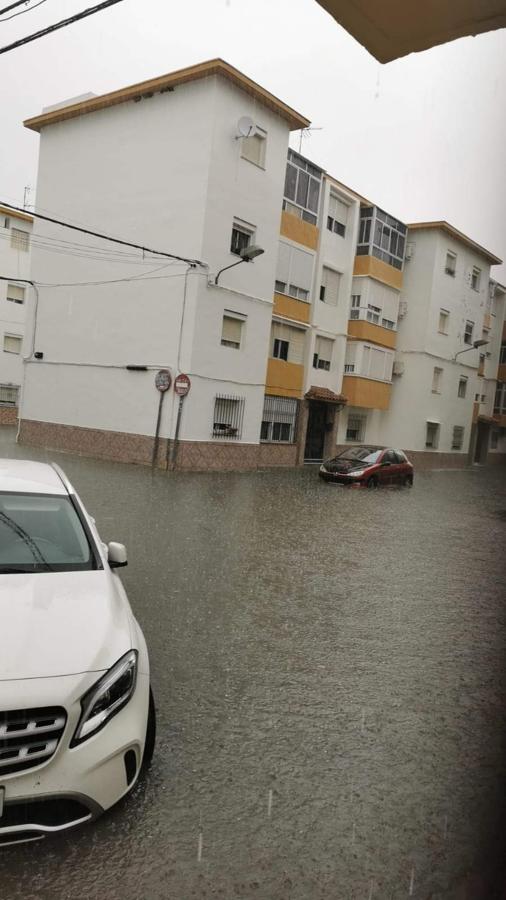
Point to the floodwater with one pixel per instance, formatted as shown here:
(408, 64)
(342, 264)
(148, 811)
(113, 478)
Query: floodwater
(329, 670)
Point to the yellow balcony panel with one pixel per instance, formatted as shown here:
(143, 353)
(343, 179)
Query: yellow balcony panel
(501, 372)
(297, 230)
(366, 392)
(361, 330)
(381, 271)
(481, 368)
(284, 379)
(291, 308)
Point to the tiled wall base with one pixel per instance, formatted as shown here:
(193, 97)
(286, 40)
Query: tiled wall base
(8, 415)
(138, 448)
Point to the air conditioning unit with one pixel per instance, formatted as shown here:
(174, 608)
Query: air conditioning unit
(403, 308)
(398, 367)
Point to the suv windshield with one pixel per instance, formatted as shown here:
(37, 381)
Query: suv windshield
(360, 454)
(42, 533)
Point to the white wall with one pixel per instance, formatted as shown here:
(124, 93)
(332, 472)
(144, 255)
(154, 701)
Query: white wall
(14, 263)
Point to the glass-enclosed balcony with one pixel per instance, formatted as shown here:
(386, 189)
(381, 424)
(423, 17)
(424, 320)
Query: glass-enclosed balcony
(382, 236)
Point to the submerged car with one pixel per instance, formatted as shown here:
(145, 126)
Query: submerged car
(369, 466)
(77, 717)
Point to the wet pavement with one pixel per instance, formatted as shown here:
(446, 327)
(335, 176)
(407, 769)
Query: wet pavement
(329, 670)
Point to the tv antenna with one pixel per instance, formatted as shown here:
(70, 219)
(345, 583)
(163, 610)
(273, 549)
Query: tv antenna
(305, 133)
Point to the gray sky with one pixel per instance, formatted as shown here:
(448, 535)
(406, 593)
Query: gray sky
(424, 137)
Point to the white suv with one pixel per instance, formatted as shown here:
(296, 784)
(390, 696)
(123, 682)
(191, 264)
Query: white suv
(77, 718)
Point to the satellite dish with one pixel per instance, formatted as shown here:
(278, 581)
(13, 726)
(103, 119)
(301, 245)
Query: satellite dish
(246, 126)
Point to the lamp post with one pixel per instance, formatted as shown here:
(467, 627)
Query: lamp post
(474, 346)
(246, 255)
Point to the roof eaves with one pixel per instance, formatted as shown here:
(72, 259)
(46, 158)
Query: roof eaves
(458, 235)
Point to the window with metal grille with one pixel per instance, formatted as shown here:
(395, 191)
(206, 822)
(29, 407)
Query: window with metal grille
(338, 216)
(462, 386)
(432, 435)
(279, 420)
(355, 429)
(329, 288)
(253, 147)
(15, 293)
(242, 235)
(20, 240)
(468, 333)
(322, 355)
(228, 417)
(9, 394)
(458, 437)
(231, 331)
(12, 343)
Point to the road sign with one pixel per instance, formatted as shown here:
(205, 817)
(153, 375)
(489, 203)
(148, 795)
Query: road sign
(163, 380)
(182, 385)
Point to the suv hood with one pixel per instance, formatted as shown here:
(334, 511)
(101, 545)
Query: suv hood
(61, 623)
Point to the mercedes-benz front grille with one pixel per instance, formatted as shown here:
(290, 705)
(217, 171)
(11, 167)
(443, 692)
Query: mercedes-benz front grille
(29, 737)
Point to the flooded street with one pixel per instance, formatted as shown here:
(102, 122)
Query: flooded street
(329, 672)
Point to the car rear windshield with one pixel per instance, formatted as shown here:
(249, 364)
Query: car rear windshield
(43, 533)
(360, 454)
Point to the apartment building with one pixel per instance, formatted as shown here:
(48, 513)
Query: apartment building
(448, 344)
(165, 164)
(15, 237)
(348, 328)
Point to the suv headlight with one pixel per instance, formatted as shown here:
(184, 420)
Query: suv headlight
(110, 694)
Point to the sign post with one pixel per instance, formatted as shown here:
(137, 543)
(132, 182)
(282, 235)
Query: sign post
(163, 381)
(182, 386)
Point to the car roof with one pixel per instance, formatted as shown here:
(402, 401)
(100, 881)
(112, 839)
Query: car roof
(23, 476)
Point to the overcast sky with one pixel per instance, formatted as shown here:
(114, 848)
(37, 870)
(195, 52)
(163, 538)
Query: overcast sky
(424, 137)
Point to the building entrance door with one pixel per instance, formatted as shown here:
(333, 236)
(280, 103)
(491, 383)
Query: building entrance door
(315, 434)
(481, 446)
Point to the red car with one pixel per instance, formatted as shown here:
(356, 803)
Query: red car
(368, 466)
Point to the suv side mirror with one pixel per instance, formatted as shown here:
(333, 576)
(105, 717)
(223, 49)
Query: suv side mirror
(116, 555)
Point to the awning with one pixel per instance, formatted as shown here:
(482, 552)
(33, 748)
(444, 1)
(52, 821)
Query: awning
(489, 420)
(394, 28)
(324, 395)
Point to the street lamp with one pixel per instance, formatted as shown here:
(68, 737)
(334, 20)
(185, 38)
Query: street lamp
(474, 346)
(247, 254)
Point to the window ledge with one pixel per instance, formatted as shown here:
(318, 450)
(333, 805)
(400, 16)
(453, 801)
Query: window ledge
(253, 163)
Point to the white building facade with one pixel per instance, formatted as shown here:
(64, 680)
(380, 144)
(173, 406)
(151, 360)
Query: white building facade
(15, 248)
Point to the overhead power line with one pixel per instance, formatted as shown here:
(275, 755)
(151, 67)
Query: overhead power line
(105, 237)
(13, 6)
(23, 11)
(64, 22)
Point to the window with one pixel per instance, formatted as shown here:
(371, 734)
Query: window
(9, 395)
(468, 333)
(280, 349)
(502, 356)
(436, 380)
(355, 306)
(444, 317)
(451, 263)
(15, 293)
(323, 353)
(12, 343)
(432, 435)
(349, 367)
(228, 417)
(279, 420)
(475, 278)
(287, 342)
(500, 399)
(462, 386)
(253, 147)
(373, 313)
(338, 216)
(302, 188)
(458, 437)
(355, 429)
(231, 331)
(20, 240)
(329, 289)
(242, 235)
(382, 236)
(388, 323)
(294, 272)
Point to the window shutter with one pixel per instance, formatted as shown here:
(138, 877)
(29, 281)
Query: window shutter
(232, 329)
(331, 280)
(296, 349)
(14, 292)
(377, 363)
(338, 210)
(20, 240)
(301, 269)
(283, 266)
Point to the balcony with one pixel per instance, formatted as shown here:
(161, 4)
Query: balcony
(284, 379)
(296, 229)
(366, 392)
(291, 308)
(362, 330)
(381, 271)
